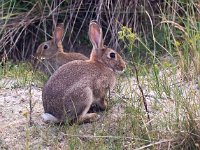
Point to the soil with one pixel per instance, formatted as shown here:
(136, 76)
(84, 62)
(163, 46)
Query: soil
(16, 132)
(15, 129)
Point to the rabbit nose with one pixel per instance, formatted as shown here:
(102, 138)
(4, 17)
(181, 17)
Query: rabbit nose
(123, 65)
(36, 55)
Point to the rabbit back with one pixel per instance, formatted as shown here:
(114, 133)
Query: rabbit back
(69, 92)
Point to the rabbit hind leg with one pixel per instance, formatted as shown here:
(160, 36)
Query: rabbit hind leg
(86, 117)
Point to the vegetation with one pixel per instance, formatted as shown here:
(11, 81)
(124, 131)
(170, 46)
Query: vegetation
(160, 40)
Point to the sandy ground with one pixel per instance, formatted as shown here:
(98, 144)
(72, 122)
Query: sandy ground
(14, 112)
(15, 132)
(14, 118)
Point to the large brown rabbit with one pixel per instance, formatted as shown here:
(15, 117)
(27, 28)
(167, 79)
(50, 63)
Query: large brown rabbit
(51, 56)
(75, 86)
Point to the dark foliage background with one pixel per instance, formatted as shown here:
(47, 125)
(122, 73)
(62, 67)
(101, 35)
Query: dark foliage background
(25, 24)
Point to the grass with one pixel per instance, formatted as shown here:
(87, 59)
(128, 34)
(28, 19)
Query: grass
(21, 74)
(174, 116)
(167, 60)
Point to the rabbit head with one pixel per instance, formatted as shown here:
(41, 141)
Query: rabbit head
(101, 53)
(49, 48)
(50, 55)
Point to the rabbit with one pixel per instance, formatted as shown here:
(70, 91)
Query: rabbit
(50, 54)
(77, 85)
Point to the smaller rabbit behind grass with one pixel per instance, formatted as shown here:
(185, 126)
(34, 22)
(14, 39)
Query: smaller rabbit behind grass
(75, 86)
(50, 54)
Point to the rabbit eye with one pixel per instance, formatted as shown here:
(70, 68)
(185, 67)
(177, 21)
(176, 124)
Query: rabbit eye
(46, 46)
(112, 55)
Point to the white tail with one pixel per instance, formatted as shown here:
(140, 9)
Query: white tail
(48, 118)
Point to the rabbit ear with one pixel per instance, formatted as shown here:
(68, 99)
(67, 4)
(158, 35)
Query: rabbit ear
(58, 33)
(95, 35)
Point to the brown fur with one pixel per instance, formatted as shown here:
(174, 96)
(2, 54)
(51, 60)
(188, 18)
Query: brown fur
(54, 56)
(75, 86)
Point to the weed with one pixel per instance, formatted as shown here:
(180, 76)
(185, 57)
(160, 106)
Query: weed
(163, 45)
